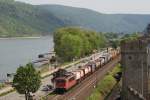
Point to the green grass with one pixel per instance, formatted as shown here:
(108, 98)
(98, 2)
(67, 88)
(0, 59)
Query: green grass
(105, 86)
(95, 95)
(43, 98)
(116, 69)
(44, 68)
(7, 92)
(2, 85)
(51, 94)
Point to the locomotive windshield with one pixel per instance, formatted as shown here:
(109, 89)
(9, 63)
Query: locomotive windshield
(60, 81)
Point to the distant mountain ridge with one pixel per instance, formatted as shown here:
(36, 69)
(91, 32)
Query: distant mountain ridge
(98, 21)
(20, 19)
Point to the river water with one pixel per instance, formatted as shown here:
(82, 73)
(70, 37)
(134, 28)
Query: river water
(19, 51)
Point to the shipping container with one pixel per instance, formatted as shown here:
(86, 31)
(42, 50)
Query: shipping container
(102, 61)
(89, 68)
(92, 65)
(81, 72)
(97, 63)
(86, 70)
(77, 74)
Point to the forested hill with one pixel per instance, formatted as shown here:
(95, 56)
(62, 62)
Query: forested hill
(23, 19)
(98, 21)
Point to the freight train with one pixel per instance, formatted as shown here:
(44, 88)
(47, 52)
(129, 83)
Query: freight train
(63, 80)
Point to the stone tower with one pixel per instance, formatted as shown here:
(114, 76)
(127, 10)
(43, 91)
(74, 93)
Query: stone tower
(136, 68)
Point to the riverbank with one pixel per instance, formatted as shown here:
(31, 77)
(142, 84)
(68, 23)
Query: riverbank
(2, 85)
(44, 74)
(20, 38)
(104, 87)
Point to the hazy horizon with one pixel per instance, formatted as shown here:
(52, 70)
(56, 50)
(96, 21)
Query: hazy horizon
(102, 6)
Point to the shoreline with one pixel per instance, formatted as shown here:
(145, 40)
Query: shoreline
(1, 38)
(33, 40)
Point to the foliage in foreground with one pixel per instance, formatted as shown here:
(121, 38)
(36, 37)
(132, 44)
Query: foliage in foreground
(27, 80)
(105, 86)
(76, 42)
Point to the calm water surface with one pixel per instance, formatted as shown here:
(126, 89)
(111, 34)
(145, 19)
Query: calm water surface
(15, 52)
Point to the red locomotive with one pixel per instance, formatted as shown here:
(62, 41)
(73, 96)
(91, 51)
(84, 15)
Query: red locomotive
(65, 82)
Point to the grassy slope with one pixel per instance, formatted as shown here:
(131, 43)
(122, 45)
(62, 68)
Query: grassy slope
(104, 87)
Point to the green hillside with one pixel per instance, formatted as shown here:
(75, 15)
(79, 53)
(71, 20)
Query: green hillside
(20, 19)
(127, 23)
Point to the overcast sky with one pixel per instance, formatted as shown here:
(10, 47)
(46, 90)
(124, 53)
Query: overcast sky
(103, 6)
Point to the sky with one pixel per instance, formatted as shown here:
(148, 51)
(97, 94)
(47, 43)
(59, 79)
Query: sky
(103, 6)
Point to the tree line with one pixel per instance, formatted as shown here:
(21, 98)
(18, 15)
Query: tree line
(73, 43)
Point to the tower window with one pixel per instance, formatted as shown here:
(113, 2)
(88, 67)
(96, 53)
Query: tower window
(130, 57)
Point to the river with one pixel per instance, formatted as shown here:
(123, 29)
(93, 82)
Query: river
(19, 51)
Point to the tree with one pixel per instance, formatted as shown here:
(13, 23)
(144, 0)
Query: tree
(27, 80)
(115, 44)
(71, 47)
(128, 37)
(76, 42)
(111, 35)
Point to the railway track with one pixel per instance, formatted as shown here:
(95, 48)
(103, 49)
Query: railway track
(84, 89)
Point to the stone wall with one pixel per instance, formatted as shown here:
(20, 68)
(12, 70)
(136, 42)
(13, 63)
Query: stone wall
(135, 61)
